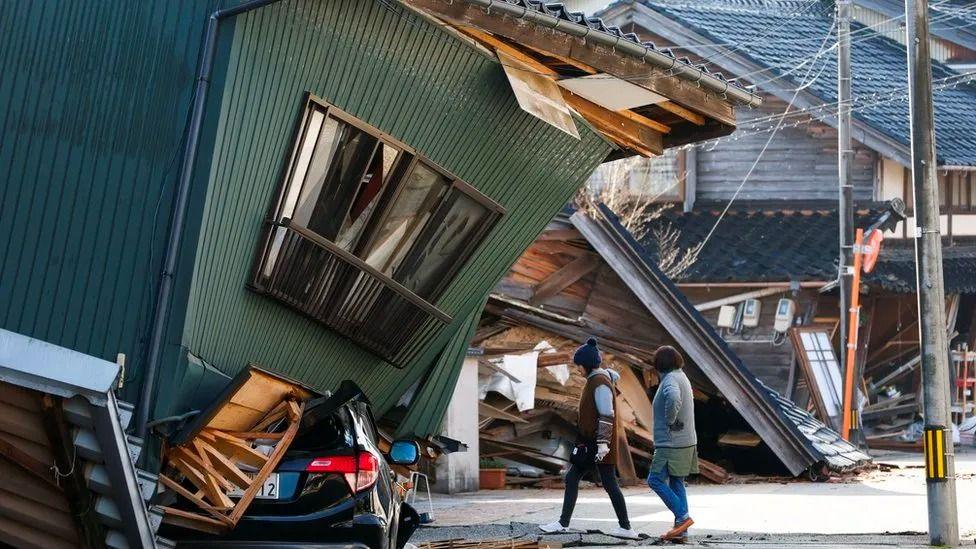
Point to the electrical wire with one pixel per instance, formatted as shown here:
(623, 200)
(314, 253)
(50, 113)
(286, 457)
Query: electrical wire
(755, 163)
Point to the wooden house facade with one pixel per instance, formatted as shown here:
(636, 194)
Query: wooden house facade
(757, 211)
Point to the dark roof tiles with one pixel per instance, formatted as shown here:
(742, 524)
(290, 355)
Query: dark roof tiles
(782, 35)
(763, 245)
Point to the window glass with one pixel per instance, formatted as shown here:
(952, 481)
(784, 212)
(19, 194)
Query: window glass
(337, 172)
(445, 243)
(368, 195)
(421, 192)
(302, 161)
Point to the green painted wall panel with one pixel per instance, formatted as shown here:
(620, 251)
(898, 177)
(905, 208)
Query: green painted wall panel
(399, 73)
(93, 101)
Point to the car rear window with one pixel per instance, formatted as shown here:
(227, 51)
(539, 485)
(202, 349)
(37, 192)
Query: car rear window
(327, 432)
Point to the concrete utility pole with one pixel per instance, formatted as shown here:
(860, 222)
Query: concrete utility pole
(845, 208)
(939, 460)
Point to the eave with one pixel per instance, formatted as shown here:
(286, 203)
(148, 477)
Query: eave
(677, 33)
(698, 105)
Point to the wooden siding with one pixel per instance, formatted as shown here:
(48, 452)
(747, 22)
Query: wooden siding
(770, 362)
(800, 163)
(93, 101)
(33, 513)
(403, 75)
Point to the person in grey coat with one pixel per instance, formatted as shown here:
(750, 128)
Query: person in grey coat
(675, 441)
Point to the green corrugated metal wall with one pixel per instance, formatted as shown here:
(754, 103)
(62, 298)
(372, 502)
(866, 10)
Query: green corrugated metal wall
(402, 74)
(426, 410)
(93, 98)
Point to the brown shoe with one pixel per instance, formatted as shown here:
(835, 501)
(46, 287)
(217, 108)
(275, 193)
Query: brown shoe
(678, 529)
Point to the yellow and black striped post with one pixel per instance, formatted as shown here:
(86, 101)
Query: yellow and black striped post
(936, 461)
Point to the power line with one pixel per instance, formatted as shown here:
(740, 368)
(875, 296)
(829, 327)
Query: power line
(755, 163)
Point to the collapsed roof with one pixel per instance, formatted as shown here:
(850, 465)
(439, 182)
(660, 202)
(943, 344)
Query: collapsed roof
(800, 441)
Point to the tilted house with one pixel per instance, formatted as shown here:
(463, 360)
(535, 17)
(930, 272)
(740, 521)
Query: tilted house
(326, 189)
(756, 212)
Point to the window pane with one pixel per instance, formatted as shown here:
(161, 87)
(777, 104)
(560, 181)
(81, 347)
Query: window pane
(302, 162)
(443, 245)
(337, 172)
(422, 191)
(368, 195)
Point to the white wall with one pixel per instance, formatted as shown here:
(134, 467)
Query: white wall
(892, 180)
(458, 472)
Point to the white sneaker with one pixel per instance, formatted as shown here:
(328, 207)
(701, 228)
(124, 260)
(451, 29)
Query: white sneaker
(554, 528)
(619, 532)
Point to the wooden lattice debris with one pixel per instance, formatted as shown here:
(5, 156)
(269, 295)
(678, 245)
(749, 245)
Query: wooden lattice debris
(231, 448)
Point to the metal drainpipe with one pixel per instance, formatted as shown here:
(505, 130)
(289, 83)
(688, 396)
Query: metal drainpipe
(655, 57)
(165, 291)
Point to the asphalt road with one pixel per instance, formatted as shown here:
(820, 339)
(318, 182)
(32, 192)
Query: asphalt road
(881, 508)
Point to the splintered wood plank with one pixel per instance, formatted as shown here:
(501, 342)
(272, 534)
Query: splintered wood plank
(200, 481)
(687, 114)
(625, 131)
(237, 449)
(233, 416)
(206, 478)
(496, 44)
(194, 521)
(254, 435)
(487, 410)
(196, 499)
(268, 467)
(636, 397)
(564, 277)
(220, 462)
(253, 399)
(294, 411)
(272, 416)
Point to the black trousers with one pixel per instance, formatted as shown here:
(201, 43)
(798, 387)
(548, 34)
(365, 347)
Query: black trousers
(608, 477)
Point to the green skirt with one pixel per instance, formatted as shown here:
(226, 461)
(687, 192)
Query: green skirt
(680, 462)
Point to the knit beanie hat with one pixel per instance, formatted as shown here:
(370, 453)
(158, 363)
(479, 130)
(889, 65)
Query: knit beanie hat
(588, 355)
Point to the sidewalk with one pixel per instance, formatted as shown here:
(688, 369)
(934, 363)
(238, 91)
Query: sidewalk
(863, 512)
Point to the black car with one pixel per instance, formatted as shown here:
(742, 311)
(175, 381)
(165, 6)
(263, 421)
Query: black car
(333, 487)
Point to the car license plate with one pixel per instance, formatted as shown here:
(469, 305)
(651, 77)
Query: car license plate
(269, 490)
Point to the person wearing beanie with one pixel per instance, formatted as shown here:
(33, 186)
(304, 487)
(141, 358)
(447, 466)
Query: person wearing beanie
(675, 441)
(597, 434)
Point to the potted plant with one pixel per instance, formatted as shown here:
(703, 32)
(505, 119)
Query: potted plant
(491, 474)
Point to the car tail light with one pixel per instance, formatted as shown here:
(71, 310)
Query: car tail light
(360, 471)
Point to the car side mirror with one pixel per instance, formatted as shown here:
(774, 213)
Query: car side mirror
(404, 452)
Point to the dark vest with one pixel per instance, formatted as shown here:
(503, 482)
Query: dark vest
(588, 416)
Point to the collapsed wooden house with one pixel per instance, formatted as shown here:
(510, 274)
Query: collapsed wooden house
(764, 283)
(585, 275)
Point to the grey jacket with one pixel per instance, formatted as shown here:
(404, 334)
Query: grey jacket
(674, 412)
(603, 398)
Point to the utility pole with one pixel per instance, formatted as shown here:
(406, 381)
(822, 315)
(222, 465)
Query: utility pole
(845, 207)
(939, 460)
